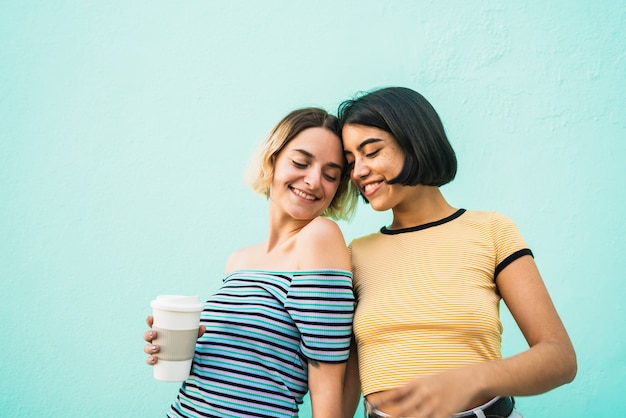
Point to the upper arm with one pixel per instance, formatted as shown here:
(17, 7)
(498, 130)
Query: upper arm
(326, 389)
(528, 300)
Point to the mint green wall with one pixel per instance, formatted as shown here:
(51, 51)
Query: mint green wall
(125, 128)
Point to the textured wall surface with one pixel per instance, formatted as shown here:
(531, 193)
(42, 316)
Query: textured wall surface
(125, 128)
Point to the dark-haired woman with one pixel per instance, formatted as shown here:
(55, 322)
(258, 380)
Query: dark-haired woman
(429, 284)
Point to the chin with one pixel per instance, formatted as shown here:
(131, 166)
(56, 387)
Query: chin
(379, 207)
(305, 216)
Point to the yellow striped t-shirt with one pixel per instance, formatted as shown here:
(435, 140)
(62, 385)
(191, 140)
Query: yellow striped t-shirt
(426, 296)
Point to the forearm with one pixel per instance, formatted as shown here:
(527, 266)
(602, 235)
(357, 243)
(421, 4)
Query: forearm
(543, 367)
(326, 405)
(351, 384)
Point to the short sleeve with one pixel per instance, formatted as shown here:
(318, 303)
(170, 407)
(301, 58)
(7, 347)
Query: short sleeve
(508, 242)
(321, 303)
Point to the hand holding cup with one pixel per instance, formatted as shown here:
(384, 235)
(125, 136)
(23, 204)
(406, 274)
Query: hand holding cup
(175, 329)
(153, 349)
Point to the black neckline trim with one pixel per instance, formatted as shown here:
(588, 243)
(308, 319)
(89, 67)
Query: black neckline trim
(452, 217)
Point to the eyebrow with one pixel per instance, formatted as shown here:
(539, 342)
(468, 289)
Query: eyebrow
(365, 143)
(309, 155)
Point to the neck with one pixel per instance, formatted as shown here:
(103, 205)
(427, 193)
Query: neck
(424, 204)
(282, 228)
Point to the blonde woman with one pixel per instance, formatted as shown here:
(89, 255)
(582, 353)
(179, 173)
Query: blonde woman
(281, 323)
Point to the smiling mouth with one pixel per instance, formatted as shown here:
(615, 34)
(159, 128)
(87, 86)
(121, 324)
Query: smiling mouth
(302, 194)
(370, 187)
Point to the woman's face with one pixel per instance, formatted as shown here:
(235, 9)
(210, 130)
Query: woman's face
(307, 172)
(374, 157)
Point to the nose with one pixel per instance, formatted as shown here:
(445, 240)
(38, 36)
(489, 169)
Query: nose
(359, 169)
(313, 178)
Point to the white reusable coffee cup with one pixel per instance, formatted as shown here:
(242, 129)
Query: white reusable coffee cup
(176, 321)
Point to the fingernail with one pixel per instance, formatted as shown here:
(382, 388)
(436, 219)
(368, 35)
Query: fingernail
(152, 359)
(151, 333)
(154, 347)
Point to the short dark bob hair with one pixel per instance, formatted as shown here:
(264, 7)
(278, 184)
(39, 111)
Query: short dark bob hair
(415, 125)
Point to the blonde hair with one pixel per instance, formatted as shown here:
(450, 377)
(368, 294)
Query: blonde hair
(260, 172)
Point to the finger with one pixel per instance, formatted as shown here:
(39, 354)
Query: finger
(149, 335)
(151, 348)
(151, 361)
(391, 396)
(415, 404)
(403, 402)
(150, 320)
(201, 331)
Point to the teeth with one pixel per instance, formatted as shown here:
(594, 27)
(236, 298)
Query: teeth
(303, 195)
(369, 186)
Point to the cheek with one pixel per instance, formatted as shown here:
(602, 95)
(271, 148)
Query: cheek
(283, 172)
(330, 190)
(393, 163)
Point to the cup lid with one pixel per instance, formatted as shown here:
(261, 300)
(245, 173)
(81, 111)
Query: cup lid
(177, 303)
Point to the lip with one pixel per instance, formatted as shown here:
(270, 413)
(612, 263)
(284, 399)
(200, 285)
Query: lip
(368, 189)
(308, 197)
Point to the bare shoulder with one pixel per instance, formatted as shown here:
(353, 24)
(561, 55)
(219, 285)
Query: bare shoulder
(322, 229)
(242, 259)
(321, 245)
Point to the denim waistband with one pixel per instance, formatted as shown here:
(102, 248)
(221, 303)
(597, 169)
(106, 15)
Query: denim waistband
(498, 407)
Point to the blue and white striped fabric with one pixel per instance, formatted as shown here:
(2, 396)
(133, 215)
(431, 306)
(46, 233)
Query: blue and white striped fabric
(262, 326)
